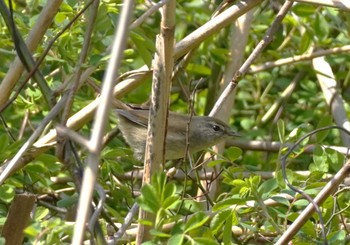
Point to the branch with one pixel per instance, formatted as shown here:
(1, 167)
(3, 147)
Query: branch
(96, 139)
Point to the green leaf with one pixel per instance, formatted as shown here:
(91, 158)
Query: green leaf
(204, 241)
(233, 153)
(336, 159)
(247, 123)
(159, 233)
(60, 18)
(149, 243)
(199, 69)
(68, 201)
(325, 121)
(219, 219)
(7, 192)
(170, 190)
(268, 186)
(309, 229)
(320, 160)
(305, 42)
(4, 141)
(225, 203)
(220, 54)
(321, 26)
(281, 130)
(170, 202)
(238, 183)
(149, 199)
(140, 40)
(176, 239)
(302, 203)
(244, 192)
(40, 213)
(303, 10)
(33, 230)
(196, 221)
(215, 162)
(227, 234)
(280, 179)
(281, 200)
(337, 237)
(254, 181)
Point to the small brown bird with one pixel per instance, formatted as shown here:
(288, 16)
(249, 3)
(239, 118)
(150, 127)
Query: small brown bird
(203, 132)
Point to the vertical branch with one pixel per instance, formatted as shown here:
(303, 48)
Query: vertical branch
(83, 54)
(333, 98)
(155, 147)
(95, 142)
(238, 42)
(61, 145)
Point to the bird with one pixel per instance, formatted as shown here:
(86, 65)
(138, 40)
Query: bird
(201, 131)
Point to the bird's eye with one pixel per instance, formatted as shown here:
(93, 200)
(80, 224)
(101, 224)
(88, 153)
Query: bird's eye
(216, 128)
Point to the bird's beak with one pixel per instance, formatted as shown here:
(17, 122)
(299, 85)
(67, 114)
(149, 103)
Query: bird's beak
(233, 133)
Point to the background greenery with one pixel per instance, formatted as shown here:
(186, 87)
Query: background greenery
(174, 200)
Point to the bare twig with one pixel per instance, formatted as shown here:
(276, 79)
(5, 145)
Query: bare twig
(148, 13)
(341, 4)
(71, 134)
(127, 221)
(284, 96)
(90, 172)
(298, 58)
(237, 46)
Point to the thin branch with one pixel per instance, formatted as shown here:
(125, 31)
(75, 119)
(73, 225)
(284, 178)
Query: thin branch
(15, 162)
(96, 140)
(332, 96)
(341, 4)
(61, 146)
(328, 190)
(298, 58)
(137, 174)
(214, 25)
(148, 13)
(258, 49)
(127, 221)
(71, 134)
(283, 98)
